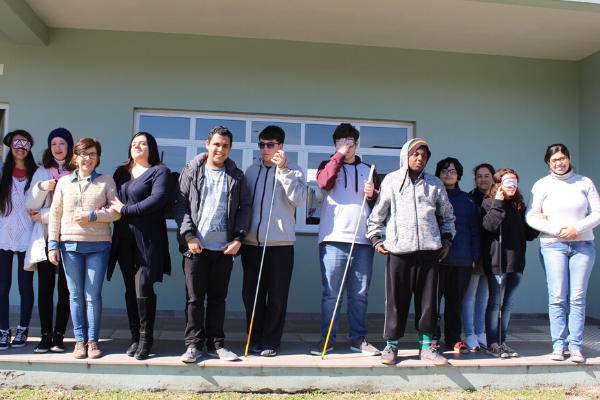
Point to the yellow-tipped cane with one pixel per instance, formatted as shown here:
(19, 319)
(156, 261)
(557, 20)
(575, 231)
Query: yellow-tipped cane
(347, 265)
(262, 261)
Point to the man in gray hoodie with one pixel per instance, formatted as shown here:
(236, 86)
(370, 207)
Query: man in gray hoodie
(290, 192)
(418, 219)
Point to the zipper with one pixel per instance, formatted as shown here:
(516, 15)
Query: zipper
(416, 216)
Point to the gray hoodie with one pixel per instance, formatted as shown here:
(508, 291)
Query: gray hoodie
(415, 216)
(290, 193)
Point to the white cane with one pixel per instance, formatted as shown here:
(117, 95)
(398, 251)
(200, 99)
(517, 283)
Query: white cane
(262, 259)
(500, 291)
(347, 265)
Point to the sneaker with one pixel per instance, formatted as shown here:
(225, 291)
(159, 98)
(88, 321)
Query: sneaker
(389, 355)
(431, 355)
(21, 337)
(495, 350)
(268, 352)
(223, 354)
(93, 350)
(45, 343)
(191, 355)
(58, 344)
(482, 339)
(461, 348)
(510, 352)
(318, 349)
(361, 345)
(558, 355)
(5, 339)
(576, 356)
(472, 343)
(254, 348)
(80, 350)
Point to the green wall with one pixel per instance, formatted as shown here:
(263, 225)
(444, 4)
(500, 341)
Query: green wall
(502, 110)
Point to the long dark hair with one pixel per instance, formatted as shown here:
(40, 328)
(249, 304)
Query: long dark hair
(7, 171)
(153, 156)
(517, 200)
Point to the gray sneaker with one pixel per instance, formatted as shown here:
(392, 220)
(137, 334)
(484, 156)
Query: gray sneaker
(431, 355)
(318, 349)
(191, 355)
(389, 355)
(268, 352)
(495, 350)
(510, 352)
(361, 345)
(223, 354)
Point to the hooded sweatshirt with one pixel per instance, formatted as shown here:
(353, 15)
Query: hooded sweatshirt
(416, 215)
(290, 193)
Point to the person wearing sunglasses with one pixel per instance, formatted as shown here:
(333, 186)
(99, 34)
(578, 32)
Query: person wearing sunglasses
(79, 234)
(15, 231)
(565, 207)
(278, 264)
(503, 215)
(455, 270)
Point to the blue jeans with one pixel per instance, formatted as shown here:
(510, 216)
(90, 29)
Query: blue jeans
(85, 272)
(474, 305)
(510, 284)
(25, 279)
(334, 256)
(568, 266)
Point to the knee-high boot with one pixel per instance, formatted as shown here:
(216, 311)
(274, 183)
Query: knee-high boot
(147, 310)
(134, 323)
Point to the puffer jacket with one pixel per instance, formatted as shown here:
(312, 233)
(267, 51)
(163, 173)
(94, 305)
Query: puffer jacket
(416, 215)
(466, 245)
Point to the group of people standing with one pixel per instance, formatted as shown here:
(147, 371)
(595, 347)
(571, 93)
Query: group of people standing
(440, 243)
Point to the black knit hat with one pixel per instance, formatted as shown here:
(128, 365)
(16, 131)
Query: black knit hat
(63, 134)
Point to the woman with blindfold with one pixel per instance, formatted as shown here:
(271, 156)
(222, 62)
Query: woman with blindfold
(565, 207)
(15, 232)
(505, 237)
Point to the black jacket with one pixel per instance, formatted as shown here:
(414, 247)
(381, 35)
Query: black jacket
(499, 215)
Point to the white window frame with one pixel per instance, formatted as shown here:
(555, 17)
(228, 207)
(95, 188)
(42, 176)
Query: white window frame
(192, 145)
(4, 127)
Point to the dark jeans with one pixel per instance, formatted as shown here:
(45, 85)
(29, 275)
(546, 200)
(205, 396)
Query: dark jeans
(206, 277)
(132, 273)
(271, 303)
(46, 283)
(25, 279)
(404, 275)
(453, 284)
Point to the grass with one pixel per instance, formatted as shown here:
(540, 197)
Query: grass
(537, 394)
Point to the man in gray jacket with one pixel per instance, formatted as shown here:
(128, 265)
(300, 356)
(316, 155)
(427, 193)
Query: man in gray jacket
(418, 219)
(290, 192)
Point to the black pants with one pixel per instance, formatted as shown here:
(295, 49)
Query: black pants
(271, 303)
(132, 273)
(453, 284)
(46, 283)
(206, 276)
(404, 275)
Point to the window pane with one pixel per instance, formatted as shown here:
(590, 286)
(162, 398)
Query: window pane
(291, 156)
(383, 164)
(315, 196)
(236, 155)
(173, 157)
(236, 127)
(376, 137)
(319, 134)
(292, 130)
(165, 127)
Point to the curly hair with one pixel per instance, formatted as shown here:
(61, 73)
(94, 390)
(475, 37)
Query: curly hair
(517, 199)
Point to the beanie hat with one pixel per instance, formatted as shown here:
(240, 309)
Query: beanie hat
(417, 144)
(63, 134)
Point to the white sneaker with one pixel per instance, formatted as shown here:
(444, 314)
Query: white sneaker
(191, 355)
(482, 339)
(558, 355)
(223, 354)
(472, 343)
(576, 356)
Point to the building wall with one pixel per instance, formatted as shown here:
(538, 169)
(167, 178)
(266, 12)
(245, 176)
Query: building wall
(589, 140)
(478, 108)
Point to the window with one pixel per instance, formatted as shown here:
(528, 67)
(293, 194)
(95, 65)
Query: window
(3, 125)
(308, 142)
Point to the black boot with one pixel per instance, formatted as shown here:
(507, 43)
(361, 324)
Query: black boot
(134, 323)
(147, 310)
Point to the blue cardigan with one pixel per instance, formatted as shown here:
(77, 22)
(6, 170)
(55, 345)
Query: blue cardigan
(466, 245)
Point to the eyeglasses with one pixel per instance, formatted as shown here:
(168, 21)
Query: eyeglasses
(561, 159)
(449, 171)
(91, 156)
(21, 144)
(270, 145)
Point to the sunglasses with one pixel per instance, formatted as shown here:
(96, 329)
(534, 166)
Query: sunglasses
(270, 145)
(21, 144)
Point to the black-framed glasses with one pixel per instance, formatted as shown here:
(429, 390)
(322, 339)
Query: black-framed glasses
(561, 159)
(449, 171)
(270, 145)
(91, 156)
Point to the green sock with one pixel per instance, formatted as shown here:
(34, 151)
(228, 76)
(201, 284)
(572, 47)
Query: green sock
(393, 343)
(425, 340)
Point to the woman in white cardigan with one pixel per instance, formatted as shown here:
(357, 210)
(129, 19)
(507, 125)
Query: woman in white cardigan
(54, 165)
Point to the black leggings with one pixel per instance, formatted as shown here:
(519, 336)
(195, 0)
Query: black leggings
(47, 278)
(132, 273)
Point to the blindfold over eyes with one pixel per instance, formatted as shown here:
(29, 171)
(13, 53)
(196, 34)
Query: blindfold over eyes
(510, 182)
(21, 144)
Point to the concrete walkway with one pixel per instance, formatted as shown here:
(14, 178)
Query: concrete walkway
(294, 369)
